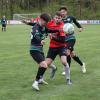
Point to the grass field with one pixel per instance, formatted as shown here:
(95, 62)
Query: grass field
(17, 69)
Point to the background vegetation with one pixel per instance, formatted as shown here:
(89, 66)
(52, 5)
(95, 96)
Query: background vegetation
(82, 9)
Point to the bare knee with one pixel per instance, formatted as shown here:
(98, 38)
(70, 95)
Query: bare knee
(68, 52)
(64, 63)
(73, 54)
(43, 64)
(48, 61)
(63, 60)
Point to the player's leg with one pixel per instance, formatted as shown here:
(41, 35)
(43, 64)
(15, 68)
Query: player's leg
(40, 59)
(2, 27)
(53, 70)
(51, 55)
(69, 48)
(65, 64)
(79, 61)
(5, 27)
(43, 68)
(68, 58)
(68, 53)
(76, 58)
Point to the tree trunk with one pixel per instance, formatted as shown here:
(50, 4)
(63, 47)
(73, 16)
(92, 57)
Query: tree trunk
(11, 8)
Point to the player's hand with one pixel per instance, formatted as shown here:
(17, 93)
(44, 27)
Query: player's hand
(42, 42)
(80, 29)
(61, 30)
(24, 21)
(50, 36)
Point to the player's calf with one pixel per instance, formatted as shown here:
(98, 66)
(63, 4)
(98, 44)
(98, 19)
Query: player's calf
(78, 60)
(67, 69)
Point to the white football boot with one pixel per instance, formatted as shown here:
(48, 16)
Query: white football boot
(63, 73)
(41, 81)
(35, 85)
(83, 68)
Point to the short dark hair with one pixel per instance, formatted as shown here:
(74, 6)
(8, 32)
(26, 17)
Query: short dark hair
(63, 8)
(46, 17)
(58, 13)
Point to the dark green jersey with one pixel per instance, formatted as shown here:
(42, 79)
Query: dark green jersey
(3, 21)
(71, 19)
(37, 35)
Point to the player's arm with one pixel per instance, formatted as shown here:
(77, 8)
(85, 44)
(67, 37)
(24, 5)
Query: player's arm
(31, 24)
(28, 23)
(6, 21)
(77, 24)
(59, 39)
(50, 30)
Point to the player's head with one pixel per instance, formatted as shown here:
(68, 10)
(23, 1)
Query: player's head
(3, 16)
(57, 17)
(44, 19)
(63, 10)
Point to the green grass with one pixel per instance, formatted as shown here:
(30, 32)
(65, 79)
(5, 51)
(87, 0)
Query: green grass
(17, 69)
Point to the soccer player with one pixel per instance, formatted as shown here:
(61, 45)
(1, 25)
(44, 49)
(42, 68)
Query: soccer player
(57, 45)
(4, 23)
(32, 23)
(36, 49)
(38, 34)
(71, 39)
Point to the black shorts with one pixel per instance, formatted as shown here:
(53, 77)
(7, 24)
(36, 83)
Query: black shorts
(53, 52)
(3, 25)
(37, 56)
(70, 44)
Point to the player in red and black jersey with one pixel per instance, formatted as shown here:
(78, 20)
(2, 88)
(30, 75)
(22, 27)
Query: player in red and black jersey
(57, 45)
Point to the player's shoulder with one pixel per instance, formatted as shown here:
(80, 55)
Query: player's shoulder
(72, 17)
(36, 27)
(50, 23)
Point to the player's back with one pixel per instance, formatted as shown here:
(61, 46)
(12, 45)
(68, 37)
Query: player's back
(35, 34)
(68, 19)
(3, 21)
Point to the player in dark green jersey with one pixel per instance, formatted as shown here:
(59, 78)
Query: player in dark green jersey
(70, 38)
(4, 23)
(38, 34)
